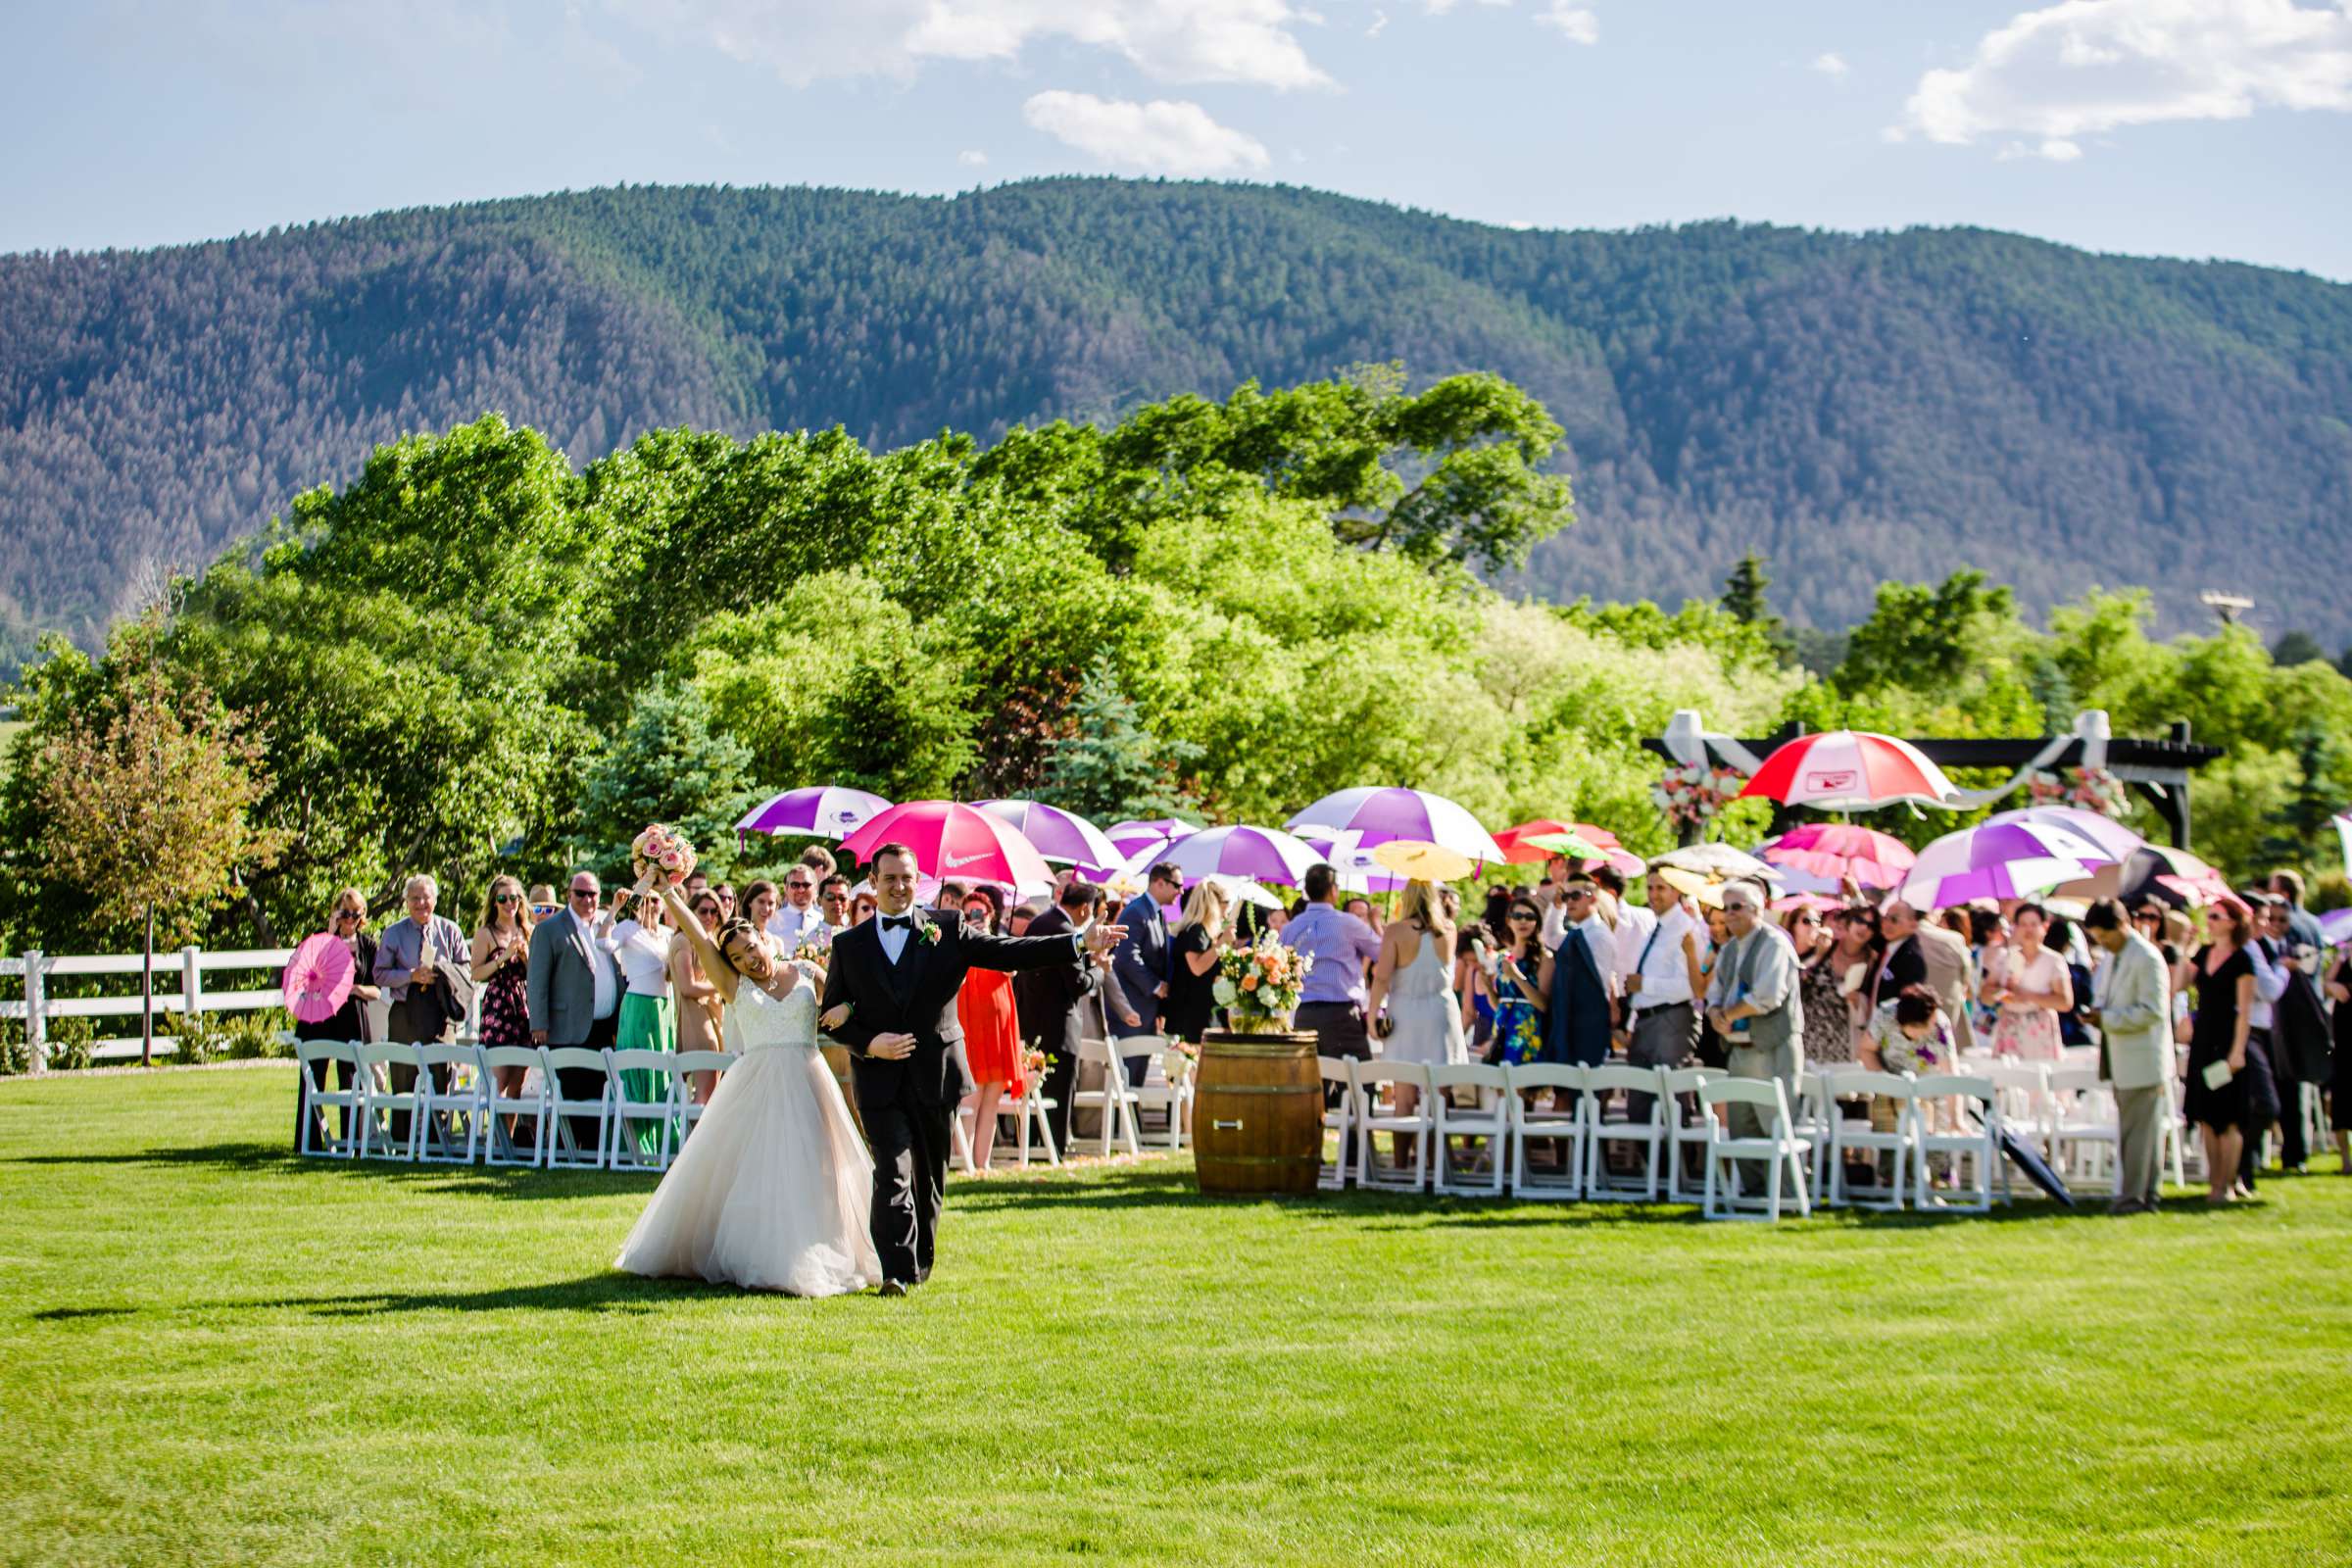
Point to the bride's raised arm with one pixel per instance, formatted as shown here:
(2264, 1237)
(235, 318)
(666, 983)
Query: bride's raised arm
(706, 952)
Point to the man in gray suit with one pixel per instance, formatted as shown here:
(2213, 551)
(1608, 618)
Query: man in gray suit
(573, 990)
(2134, 992)
(1755, 1004)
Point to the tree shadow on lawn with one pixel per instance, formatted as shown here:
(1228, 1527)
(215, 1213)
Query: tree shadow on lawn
(519, 1182)
(611, 1290)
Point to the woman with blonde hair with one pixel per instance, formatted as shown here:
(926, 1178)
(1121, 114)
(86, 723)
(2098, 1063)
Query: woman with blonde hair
(1413, 977)
(502, 957)
(1191, 1003)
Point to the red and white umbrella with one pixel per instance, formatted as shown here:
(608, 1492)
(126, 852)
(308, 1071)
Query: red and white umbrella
(951, 840)
(1518, 851)
(1835, 851)
(318, 978)
(1849, 769)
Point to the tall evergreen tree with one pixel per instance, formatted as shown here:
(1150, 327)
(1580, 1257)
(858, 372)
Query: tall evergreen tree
(668, 764)
(1109, 767)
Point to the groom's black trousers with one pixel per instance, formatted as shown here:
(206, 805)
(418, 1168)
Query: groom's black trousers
(911, 1145)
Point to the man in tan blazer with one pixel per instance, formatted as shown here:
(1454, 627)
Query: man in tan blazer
(2134, 1016)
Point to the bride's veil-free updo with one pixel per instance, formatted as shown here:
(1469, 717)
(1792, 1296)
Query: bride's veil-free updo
(739, 929)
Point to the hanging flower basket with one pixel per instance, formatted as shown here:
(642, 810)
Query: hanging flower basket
(2088, 789)
(1692, 796)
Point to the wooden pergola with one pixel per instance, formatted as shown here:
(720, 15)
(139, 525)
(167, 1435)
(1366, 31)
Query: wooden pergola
(2157, 770)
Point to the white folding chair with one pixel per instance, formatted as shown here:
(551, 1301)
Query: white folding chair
(1157, 1090)
(529, 1099)
(446, 1109)
(2315, 1132)
(1814, 1109)
(1686, 1141)
(1114, 1099)
(1777, 1147)
(380, 1102)
(1980, 1144)
(1373, 1115)
(313, 1057)
(1561, 1125)
(1601, 1130)
(1338, 1120)
(2025, 1094)
(1033, 1126)
(684, 1066)
(2083, 1137)
(2176, 1137)
(624, 1152)
(1899, 1144)
(1484, 1121)
(563, 1150)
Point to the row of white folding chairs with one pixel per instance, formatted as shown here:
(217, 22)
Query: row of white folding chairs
(1112, 1093)
(1488, 1110)
(2068, 1113)
(455, 1112)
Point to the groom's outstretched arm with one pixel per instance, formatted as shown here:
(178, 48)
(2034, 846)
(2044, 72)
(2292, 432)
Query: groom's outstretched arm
(854, 1032)
(1014, 953)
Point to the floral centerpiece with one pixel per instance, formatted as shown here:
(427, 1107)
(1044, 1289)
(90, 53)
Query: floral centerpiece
(2091, 789)
(1259, 987)
(1694, 795)
(662, 855)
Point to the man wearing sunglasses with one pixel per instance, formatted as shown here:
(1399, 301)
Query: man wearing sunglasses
(573, 988)
(797, 919)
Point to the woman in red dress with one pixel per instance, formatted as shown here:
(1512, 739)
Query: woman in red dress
(992, 1034)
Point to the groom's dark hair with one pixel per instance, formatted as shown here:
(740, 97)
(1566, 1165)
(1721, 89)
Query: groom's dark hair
(894, 847)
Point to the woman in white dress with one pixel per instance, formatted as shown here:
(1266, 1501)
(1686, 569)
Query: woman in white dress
(1413, 977)
(774, 1191)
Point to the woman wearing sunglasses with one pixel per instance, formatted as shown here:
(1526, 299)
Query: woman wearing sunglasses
(501, 957)
(347, 924)
(1518, 1004)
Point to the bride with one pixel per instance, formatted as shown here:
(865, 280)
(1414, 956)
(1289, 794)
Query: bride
(774, 1190)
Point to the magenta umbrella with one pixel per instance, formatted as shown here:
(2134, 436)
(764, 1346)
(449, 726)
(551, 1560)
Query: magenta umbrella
(1835, 851)
(1256, 854)
(951, 840)
(318, 978)
(821, 811)
(1058, 835)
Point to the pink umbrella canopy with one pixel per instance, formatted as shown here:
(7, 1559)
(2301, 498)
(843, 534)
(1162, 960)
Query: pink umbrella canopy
(952, 840)
(821, 811)
(1847, 770)
(1835, 851)
(1381, 814)
(1058, 835)
(318, 978)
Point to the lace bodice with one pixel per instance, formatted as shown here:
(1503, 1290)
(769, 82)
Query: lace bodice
(757, 1019)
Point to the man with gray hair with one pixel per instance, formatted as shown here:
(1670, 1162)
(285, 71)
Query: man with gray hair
(425, 965)
(1755, 1005)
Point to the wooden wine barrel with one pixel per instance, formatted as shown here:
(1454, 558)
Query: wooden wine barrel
(1257, 1115)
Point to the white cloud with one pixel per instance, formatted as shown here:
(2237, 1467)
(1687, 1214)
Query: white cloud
(1830, 63)
(1380, 24)
(2084, 67)
(1248, 41)
(1577, 23)
(2053, 149)
(972, 158)
(1160, 137)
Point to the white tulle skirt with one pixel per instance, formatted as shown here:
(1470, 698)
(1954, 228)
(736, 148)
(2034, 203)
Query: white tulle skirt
(773, 1191)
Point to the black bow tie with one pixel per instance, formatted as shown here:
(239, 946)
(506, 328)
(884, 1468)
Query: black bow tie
(898, 922)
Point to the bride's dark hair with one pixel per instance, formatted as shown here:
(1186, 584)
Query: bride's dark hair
(740, 930)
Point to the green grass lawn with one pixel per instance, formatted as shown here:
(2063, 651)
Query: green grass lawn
(214, 1352)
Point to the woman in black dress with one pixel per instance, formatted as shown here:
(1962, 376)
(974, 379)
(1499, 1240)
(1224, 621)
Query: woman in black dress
(2225, 979)
(347, 924)
(2339, 1093)
(1193, 964)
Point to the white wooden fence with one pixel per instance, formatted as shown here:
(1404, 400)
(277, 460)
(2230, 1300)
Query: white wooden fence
(179, 987)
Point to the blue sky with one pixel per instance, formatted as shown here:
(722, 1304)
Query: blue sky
(2185, 127)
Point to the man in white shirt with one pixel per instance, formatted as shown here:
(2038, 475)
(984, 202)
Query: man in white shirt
(1633, 922)
(1663, 983)
(797, 919)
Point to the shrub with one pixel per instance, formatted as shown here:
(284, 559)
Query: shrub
(70, 1041)
(15, 1057)
(254, 1036)
(195, 1040)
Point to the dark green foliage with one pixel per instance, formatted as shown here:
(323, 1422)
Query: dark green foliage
(1857, 408)
(667, 765)
(1109, 767)
(2296, 648)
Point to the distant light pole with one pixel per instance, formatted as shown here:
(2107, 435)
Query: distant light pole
(2227, 606)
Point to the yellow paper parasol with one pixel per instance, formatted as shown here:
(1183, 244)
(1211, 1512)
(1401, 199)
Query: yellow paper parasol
(1422, 861)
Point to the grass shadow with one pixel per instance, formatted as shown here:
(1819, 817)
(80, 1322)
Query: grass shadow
(611, 1291)
(515, 1182)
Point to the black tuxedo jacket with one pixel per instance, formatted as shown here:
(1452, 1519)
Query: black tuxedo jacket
(916, 996)
(1050, 1001)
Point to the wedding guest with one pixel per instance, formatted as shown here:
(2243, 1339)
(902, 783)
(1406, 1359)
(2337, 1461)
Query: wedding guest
(1194, 952)
(1580, 1002)
(2263, 1104)
(418, 963)
(1909, 1032)
(543, 901)
(1054, 1004)
(2030, 986)
(2299, 1036)
(1018, 918)
(502, 959)
(1711, 1049)
(1340, 945)
(798, 922)
(1361, 908)
(2224, 981)
(1517, 996)
(820, 862)
(2133, 1014)
(1920, 953)
(833, 902)
(1857, 957)
(2303, 927)
(1550, 895)
(727, 902)
(347, 923)
(641, 947)
(1408, 1000)
(1473, 960)
(1633, 922)
(861, 906)
(1829, 1023)
(1663, 983)
(1143, 963)
(1753, 1001)
(2339, 1093)
(701, 1010)
(992, 1032)
(952, 895)
(574, 990)
(760, 901)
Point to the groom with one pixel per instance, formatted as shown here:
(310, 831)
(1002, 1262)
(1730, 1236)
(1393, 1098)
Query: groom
(889, 997)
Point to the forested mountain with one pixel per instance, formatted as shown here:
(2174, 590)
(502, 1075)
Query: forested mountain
(1855, 407)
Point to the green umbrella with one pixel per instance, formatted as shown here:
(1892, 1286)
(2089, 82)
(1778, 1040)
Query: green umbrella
(1569, 843)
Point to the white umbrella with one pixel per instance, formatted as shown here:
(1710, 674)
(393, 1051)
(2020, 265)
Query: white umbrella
(1718, 860)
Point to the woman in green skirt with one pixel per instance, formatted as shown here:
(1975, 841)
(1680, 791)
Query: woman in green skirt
(642, 947)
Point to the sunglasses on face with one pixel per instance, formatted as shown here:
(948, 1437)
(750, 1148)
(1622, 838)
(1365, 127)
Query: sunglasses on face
(347, 914)
(1524, 914)
(705, 908)
(800, 887)
(504, 898)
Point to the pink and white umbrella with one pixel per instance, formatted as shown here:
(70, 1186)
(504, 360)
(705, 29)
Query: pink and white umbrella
(318, 978)
(821, 811)
(1998, 860)
(1058, 835)
(1847, 770)
(951, 840)
(1381, 814)
(1256, 854)
(1835, 851)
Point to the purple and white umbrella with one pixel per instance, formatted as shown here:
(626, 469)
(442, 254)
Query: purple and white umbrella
(1350, 855)
(821, 811)
(1380, 815)
(1998, 860)
(1256, 853)
(1130, 837)
(1058, 835)
(2111, 836)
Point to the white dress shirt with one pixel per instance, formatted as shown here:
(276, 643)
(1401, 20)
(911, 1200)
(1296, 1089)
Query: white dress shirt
(644, 957)
(1665, 972)
(794, 927)
(1635, 923)
(2270, 984)
(1603, 945)
(600, 960)
(894, 937)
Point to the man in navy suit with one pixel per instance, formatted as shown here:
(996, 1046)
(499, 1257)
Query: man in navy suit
(889, 997)
(1577, 983)
(1142, 960)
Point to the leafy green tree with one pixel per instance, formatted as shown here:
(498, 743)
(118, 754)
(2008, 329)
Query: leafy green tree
(897, 725)
(2296, 648)
(1108, 767)
(668, 764)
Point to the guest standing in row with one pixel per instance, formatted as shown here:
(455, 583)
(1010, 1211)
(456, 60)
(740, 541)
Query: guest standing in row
(422, 964)
(2134, 1015)
(641, 947)
(1194, 952)
(701, 1010)
(1423, 1022)
(1053, 1004)
(2030, 986)
(2225, 980)
(992, 1030)
(574, 992)
(348, 924)
(1142, 962)
(1662, 985)
(1754, 1004)
(502, 962)
(1580, 1005)
(1331, 999)
(1829, 1022)
(1518, 1035)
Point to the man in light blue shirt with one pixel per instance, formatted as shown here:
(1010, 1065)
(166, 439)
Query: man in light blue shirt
(1332, 999)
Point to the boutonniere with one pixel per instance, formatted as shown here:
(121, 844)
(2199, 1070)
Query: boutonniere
(930, 934)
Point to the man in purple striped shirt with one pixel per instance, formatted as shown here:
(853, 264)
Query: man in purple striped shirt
(1332, 1001)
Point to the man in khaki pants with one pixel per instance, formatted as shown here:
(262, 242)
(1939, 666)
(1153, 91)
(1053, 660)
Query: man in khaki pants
(2134, 1019)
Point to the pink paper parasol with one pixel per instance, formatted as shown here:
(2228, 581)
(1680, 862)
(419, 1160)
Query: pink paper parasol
(1834, 850)
(318, 978)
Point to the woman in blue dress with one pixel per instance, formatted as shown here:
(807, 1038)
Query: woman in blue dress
(1518, 1004)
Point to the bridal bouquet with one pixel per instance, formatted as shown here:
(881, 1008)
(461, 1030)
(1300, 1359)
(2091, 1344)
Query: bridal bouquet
(660, 850)
(1257, 986)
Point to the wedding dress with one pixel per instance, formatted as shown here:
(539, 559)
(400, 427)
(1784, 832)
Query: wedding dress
(774, 1190)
